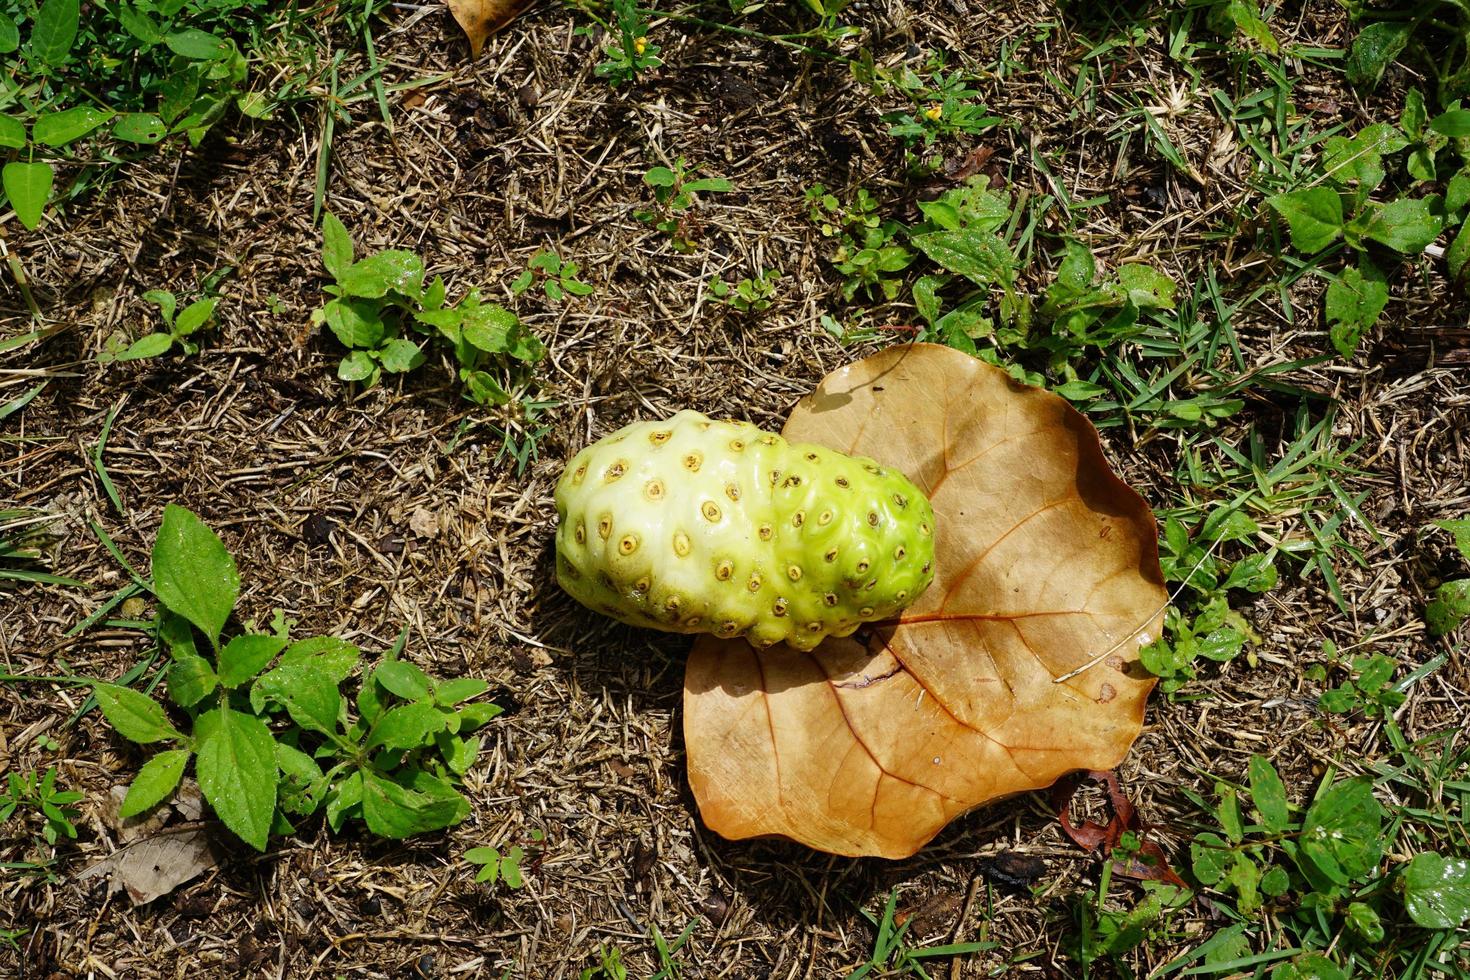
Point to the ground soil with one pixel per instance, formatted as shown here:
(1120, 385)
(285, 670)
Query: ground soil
(315, 488)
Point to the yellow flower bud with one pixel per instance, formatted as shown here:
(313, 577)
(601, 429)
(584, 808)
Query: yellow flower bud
(934, 111)
(640, 44)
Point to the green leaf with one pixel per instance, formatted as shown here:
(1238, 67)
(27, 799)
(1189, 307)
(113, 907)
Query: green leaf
(193, 574)
(1314, 217)
(195, 315)
(137, 717)
(1449, 607)
(1268, 793)
(54, 31)
(337, 252)
(12, 132)
(1341, 833)
(307, 691)
(1365, 921)
(190, 679)
(394, 811)
(28, 186)
(9, 34)
(301, 780)
(236, 767)
(472, 716)
(488, 327)
(61, 128)
(335, 656)
(660, 177)
(356, 323)
(981, 257)
(138, 24)
(377, 275)
(198, 45)
(342, 797)
(1209, 855)
(154, 781)
(510, 867)
(356, 366)
(149, 345)
(407, 726)
(1407, 225)
(1228, 813)
(1460, 529)
(403, 679)
(1374, 49)
(1354, 303)
(399, 355)
(452, 692)
(1437, 890)
(1275, 882)
(165, 301)
(483, 389)
(1308, 966)
(1146, 287)
(139, 127)
(1458, 254)
(1454, 123)
(247, 655)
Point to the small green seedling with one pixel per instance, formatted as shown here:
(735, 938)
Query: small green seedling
(386, 315)
(504, 867)
(628, 52)
(1451, 603)
(892, 953)
(747, 295)
(1369, 689)
(275, 743)
(558, 279)
(36, 793)
(673, 190)
(868, 253)
(178, 329)
(943, 104)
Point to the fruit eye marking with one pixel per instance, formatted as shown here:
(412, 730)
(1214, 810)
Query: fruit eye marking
(875, 470)
(728, 627)
(681, 544)
(924, 528)
(693, 461)
(570, 570)
(831, 555)
(581, 472)
(693, 621)
(732, 491)
(824, 518)
(812, 457)
(654, 490)
(901, 500)
(754, 584)
(616, 470)
(841, 481)
(642, 585)
(775, 477)
(830, 598)
(901, 594)
(814, 627)
(724, 570)
(899, 552)
(793, 572)
(793, 481)
(779, 607)
(660, 437)
(873, 518)
(765, 532)
(604, 526)
(672, 603)
(798, 519)
(927, 565)
(628, 545)
(865, 612)
(710, 510)
(737, 445)
(862, 566)
(581, 533)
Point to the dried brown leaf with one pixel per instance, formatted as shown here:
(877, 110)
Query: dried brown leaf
(481, 18)
(1046, 563)
(152, 868)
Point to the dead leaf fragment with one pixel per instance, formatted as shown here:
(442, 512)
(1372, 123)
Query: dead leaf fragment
(424, 523)
(1149, 863)
(1045, 563)
(481, 18)
(152, 868)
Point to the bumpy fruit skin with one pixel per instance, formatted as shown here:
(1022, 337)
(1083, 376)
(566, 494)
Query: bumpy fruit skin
(697, 526)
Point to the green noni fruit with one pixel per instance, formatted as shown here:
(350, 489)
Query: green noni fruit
(694, 526)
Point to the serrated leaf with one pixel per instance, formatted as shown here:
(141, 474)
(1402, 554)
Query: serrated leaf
(395, 811)
(308, 693)
(407, 726)
(190, 679)
(981, 257)
(247, 655)
(1406, 225)
(193, 573)
(335, 656)
(1374, 49)
(155, 781)
(137, 717)
(377, 275)
(400, 355)
(236, 767)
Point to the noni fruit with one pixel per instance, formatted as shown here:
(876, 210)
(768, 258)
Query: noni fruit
(693, 526)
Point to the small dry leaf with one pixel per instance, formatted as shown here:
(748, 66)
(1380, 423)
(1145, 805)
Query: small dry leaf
(1045, 563)
(131, 828)
(424, 523)
(481, 18)
(152, 868)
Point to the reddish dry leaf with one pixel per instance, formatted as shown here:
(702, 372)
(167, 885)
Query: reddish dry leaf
(1046, 562)
(481, 18)
(1148, 864)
